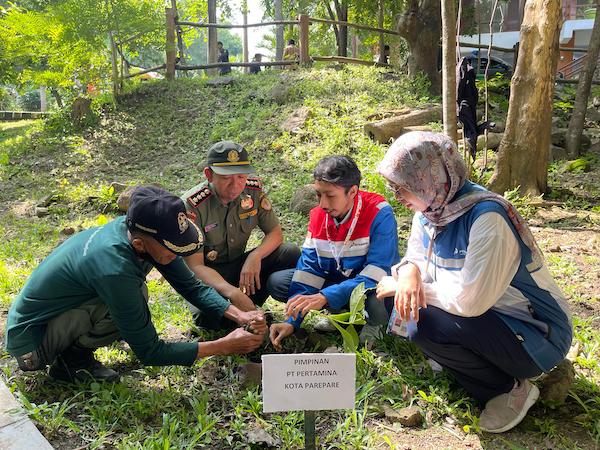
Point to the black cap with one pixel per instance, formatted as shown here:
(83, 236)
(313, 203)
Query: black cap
(228, 158)
(162, 215)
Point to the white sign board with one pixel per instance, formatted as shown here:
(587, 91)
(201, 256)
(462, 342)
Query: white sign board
(308, 381)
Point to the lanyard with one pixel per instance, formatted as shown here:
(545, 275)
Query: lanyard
(338, 255)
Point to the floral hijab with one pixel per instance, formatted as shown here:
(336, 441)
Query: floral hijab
(429, 165)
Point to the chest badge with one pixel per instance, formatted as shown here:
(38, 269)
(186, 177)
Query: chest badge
(247, 202)
(212, 255)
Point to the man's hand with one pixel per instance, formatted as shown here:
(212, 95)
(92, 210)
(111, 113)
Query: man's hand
(302, 304)
(253, 321)
(240, 341)
(250, 274)
(278, 332)
(386, 288)
(241, 300)
(409, 293)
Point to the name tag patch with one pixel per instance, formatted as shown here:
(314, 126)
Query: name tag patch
(210, 226)
(248, 214)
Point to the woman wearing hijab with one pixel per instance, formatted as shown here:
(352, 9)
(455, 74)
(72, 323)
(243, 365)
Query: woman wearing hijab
(473, 281)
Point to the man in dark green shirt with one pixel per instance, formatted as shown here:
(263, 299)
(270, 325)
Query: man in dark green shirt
(91, 291)
(227, 207)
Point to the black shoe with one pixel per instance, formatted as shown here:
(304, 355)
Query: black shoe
(78, 364)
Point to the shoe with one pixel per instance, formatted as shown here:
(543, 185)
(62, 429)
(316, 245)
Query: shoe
(31, 361)
(79, 364)
(506, 411)
(324, 325)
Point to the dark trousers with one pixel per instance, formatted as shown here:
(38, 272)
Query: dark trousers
(482, 353)
(284, 257)
(378, 312)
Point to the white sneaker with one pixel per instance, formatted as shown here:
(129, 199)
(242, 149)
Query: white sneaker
(506, 411)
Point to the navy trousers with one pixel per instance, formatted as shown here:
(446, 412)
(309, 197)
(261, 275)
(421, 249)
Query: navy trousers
(482, 353)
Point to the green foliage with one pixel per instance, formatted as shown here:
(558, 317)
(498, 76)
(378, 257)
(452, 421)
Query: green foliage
(345, 322)
(522, 203)
(160, 132)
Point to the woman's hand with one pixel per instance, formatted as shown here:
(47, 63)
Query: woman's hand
(386, 288)
(409, 292)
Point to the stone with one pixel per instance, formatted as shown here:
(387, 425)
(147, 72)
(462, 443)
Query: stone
(123, 199)
(67, 231)
(556, 383)
(118, 187)
(47, 200)
(261, 437)
(500, 126)
(410, 416)
(592, 114)
(294, 123)
(304, 199)
(250, 374)
(559, 138)
(280, 92)
(557, 153)
(40, 211)
(220, 81)
(493, 141)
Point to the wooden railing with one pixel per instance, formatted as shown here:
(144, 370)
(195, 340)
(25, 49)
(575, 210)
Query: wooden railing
(303, 23)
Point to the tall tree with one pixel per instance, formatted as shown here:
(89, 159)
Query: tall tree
(573, 138)
(523, 152)
(449, 68)
(339, 12)
(420, 24)
(279, 41)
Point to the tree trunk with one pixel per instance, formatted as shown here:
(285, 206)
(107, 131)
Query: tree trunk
(279, 43)
(57, 97)
(336, 30)
(449, 68)
(343, 30)
(212, 36)
(573, 138)
(421, 25)
(523, 153)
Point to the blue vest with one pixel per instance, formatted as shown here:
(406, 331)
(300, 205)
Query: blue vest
(546, 332)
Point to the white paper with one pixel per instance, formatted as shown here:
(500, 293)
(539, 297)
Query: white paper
(308, 381)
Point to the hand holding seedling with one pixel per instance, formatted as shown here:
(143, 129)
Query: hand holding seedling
(240, 341)
(278, 332)
(254, 322)
(302, 304)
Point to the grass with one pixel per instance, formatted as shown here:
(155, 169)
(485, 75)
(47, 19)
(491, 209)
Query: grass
(159, 132)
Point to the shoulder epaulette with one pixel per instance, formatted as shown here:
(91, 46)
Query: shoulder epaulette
(198, 197)
(253, 183)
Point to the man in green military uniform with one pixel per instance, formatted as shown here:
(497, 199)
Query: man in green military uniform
(227, 207)
(91, 291)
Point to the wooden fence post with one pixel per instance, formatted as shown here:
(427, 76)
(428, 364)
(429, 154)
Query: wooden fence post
(115, 68)
(382, 58)
(170, 47)
(212, 36)
(304, 23)
(245, 35)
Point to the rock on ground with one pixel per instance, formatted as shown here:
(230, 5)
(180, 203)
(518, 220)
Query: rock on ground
(304, 199)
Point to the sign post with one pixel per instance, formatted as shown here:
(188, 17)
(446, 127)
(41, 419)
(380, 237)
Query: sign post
(308, 382)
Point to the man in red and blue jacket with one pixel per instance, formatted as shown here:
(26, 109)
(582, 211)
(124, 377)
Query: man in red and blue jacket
(352, 239)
